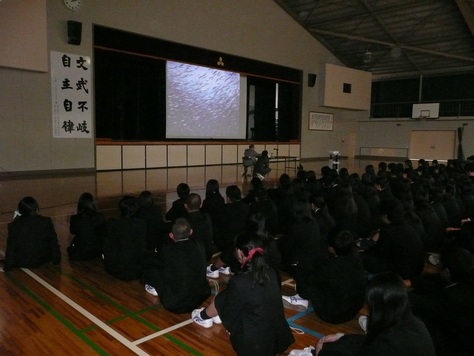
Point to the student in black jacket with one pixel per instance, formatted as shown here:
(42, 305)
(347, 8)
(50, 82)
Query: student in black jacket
(178, 272)
(32, 239)
(88, 230)
(392, 329)
(337, 287)
(153, 216)
(177, 209)
(200, 222)
(125, 243)
(250, 308)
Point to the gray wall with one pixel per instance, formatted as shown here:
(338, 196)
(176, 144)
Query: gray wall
(254, 29)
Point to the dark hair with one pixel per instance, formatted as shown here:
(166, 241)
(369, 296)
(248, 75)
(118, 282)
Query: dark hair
(284, 179)
(256, 224)
(181, 229)
(256, 183)
(86, 204)
(261, 194)
(128, 206)
(311, 176)
(265, 153)
(301, 211)
(257, 264)
(387, 303)
(459, 262)
(345, 202)
(382, 181)
(193, 202)
(28, 206)
(234, 193)
(212, 187)
(183, 190)
(393, 208)
(343, 243)
(145, 199)
(325, 170)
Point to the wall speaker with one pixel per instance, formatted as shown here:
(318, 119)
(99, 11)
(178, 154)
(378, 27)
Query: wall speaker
(74, 32)
(311, 80)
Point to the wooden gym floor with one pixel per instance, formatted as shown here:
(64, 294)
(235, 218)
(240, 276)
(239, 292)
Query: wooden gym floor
(78, 309)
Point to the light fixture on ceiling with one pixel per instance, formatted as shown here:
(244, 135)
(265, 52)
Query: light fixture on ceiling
(396, 52)
(367, 57)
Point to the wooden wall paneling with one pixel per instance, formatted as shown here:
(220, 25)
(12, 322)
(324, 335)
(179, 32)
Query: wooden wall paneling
(133, 157)
(156, 156)
(108, 157)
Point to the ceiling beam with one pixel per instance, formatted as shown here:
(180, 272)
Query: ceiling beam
(466, 12)
(390, 44)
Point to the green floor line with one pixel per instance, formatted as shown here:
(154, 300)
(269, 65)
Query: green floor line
(129, 313)
(58, 316)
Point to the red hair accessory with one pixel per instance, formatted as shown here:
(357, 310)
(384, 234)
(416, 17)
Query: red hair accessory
(250, 255)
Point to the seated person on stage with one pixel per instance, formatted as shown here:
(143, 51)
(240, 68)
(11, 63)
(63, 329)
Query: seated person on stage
(262, 168)
(177, 273)
(250, 158)
(200, 223)
(250, 308)
(88, 228)
(32, 239)
(125, 242)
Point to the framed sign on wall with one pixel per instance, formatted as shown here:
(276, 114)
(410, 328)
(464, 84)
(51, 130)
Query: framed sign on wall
(320, 121)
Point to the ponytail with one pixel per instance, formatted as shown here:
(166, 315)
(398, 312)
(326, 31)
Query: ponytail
(255, 262)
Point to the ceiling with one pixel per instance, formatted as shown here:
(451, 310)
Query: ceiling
(392, 38)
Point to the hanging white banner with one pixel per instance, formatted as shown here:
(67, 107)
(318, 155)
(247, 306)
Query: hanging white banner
(71, 95)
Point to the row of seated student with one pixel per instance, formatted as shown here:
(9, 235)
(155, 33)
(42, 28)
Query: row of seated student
(328, 234)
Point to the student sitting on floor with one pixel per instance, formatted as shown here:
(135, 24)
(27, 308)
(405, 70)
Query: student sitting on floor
(391, 327)
(178, 271)
(32, 240)
(125, 243)
(250, 307)
(336, 288)
(236, 214)
(152, 214)
(200, 222)
(447, 309)
(177, 209)
(88, 228)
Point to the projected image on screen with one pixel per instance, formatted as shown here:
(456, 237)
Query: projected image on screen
(203, 103)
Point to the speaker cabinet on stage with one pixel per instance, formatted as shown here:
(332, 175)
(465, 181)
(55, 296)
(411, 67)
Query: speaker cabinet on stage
(74, 32)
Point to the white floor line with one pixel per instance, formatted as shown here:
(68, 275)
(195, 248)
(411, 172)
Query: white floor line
(162, 332)
(88, 315)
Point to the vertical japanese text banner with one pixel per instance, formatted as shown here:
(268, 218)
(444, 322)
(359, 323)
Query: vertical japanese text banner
(71, 95)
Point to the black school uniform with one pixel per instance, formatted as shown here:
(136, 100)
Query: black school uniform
(253, 315)
(124, 248)
(31, 242)
(337, 290)
(179, 275)
(89, 233)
